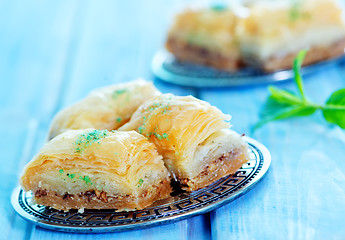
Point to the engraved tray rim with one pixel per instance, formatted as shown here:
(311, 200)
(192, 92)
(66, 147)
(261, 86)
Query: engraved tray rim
(195, 76)
(262, 164)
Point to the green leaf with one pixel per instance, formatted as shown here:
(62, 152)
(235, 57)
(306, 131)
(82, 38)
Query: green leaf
(275, 110)
(297, 68)
(282, 104)
(283, 96)
(334, 110)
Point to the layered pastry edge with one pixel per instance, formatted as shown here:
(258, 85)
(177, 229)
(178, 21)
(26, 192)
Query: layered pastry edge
(114, 170)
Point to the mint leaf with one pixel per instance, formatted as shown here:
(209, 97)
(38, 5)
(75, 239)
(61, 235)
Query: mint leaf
(296, 69)
(282, 104)
(283, 96)
(334, 110)
(275, 110)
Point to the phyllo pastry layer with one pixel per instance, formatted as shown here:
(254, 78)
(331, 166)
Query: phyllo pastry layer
(97, 170)
(192, 136)
(104, 108)
(205, 36)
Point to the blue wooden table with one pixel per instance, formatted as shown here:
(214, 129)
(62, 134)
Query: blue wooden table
(52, 53)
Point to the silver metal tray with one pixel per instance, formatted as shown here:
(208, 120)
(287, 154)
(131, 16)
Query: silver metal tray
(168, 69)
(179, 207)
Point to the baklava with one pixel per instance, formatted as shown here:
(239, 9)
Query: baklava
(104, 108)
(205, 37)
(193, 137)
(273, 33)
(97, 169)
(264, 35)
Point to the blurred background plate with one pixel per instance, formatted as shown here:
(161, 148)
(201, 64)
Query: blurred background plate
(168, 69)
(181, 206)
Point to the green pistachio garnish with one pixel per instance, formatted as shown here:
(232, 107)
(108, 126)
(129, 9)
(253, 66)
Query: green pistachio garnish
(86, 179)
(71, 176)
(116, 93)
(141, 181)
(296, 12)
(86, 140)
(219, 8)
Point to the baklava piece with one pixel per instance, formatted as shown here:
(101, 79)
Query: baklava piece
(205, 36)
(193, 137)
(265, 35)
(93, 169)
(104, 108)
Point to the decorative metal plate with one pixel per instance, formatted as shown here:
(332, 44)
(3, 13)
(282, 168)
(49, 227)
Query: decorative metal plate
(175, 208)
(168, 69)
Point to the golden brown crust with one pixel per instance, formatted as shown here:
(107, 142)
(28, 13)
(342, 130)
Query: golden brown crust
(104, 108)
(192, 53)
(315, 54)
(96, 199)
(226, 164)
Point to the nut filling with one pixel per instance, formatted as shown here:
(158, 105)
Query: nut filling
(98, 199)
(224, 165)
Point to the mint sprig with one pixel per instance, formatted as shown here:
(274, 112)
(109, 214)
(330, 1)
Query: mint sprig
(282, 104)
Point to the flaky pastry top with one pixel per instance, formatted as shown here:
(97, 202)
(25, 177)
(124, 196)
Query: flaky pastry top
(280, 27)
(75, 161)
(177, 125)
(207, 28)
(104, 108)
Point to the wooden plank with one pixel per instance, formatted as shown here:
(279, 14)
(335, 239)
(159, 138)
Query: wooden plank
(187, 229)
(33, 46)
(95, 56)
(302, 196)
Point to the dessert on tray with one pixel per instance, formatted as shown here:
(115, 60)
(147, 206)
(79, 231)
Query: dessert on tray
(175, 137)
(97, 169)
(104, 108)
(193, 137)
(262, 34)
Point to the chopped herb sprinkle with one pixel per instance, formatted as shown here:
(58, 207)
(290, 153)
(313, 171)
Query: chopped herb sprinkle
(141, 129)
(86, 179)
(141, 181)
(118, 119)
(116, 93)
(161, 108)
(71, 176)
(165, 106)
(86, 140)
(61, 171)
(157, 135)
(296, 12)
(165, 136)
(219, 8)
